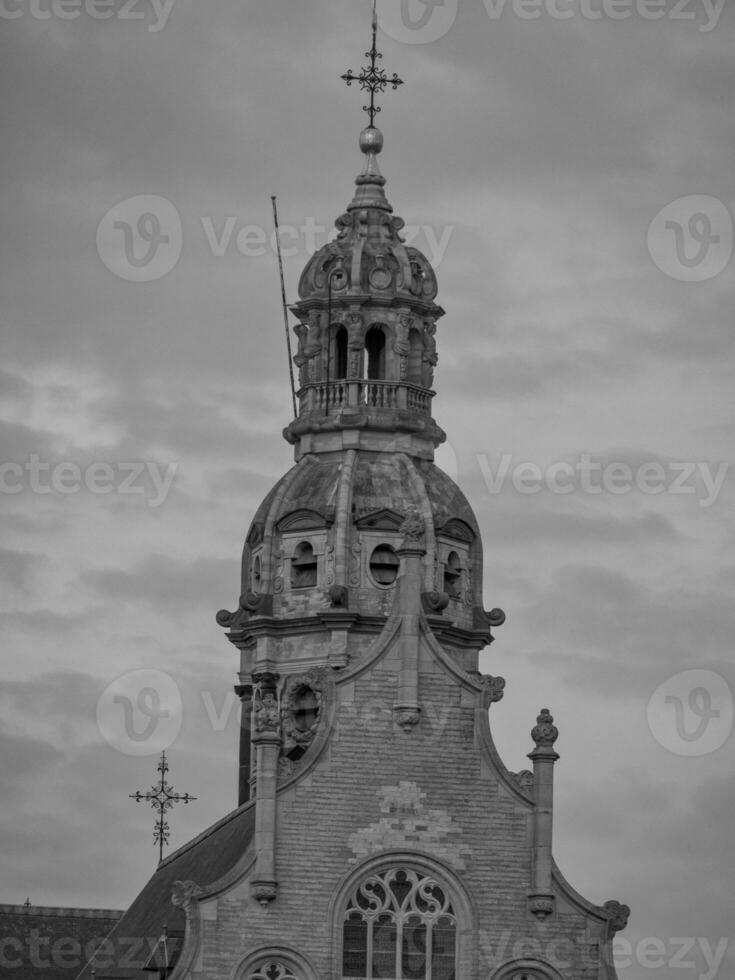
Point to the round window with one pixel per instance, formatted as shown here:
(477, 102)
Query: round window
(384, 565)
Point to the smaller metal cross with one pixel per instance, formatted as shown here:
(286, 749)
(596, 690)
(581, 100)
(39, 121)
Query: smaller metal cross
(372, 79)
(161, 798)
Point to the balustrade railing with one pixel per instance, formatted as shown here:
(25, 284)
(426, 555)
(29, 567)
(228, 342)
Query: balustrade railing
(333, 396)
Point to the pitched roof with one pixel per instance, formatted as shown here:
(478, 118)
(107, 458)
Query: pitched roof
(149, 936)
(49, 943)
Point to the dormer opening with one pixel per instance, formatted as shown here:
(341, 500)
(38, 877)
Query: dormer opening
(452, 575)
(303, 566)
(375, 353)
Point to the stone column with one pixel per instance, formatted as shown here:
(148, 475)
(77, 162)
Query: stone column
(544, 734)
(266, 737)
(410, 584)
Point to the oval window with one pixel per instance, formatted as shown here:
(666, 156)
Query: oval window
(384, 565)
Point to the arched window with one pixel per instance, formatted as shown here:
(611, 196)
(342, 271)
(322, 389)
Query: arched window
(275, 963)
(375, 354)
(399, 924)
(340, 354)
(415, 360)
(303, 566)
(452, 575)
(257, 574)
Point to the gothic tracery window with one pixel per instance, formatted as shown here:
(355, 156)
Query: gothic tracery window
(399, 925)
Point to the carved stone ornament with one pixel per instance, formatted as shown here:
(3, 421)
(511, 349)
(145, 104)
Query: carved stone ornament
(256, 602)
(434, 602)
(278, 580)
(413, 526)
(264, 891)
(407, 716)
(313, 680)
(544, 732)
(542, 906)
(329, 564)
(338, 596)
(183, 893)
(355, 572)
(496, 617)
(266, 713)
(493, 687)
(224, 618)
(618, 914)
(524, 778)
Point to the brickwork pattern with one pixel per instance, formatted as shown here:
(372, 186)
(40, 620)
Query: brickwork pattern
(328, 821)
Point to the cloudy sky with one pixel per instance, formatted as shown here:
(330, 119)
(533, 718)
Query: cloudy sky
(568, 168)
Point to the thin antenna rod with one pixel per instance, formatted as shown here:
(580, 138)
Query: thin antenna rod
(285, 308)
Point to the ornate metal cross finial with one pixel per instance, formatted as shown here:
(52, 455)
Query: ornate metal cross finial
(373, 79)
(161, 798)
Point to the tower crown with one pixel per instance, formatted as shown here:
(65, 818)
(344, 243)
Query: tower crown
(367, 320)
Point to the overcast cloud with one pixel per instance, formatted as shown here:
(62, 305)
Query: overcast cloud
(537, 151)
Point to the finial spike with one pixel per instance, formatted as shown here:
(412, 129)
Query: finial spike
(373, 79)
(161, 798)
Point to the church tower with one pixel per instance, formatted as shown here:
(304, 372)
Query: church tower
(378, 833)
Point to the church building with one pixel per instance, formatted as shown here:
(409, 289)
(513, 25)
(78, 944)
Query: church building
(378, 833)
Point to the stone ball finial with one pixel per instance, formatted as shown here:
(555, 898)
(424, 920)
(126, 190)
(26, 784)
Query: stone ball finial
(544, 732)
(371, 140)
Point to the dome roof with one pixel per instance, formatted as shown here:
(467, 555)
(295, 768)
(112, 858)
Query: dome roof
(369, 256)
(375, 482)
(344, 506)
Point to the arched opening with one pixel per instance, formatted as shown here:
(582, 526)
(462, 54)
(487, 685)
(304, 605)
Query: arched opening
(257, 575)
(303, 566)
(375, 354)
(452, 575)
(340, 354)
(399, 924)
(415, 352)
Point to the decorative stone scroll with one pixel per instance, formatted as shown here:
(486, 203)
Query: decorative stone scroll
(493, 687)
(184, 893)
(618, 915)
